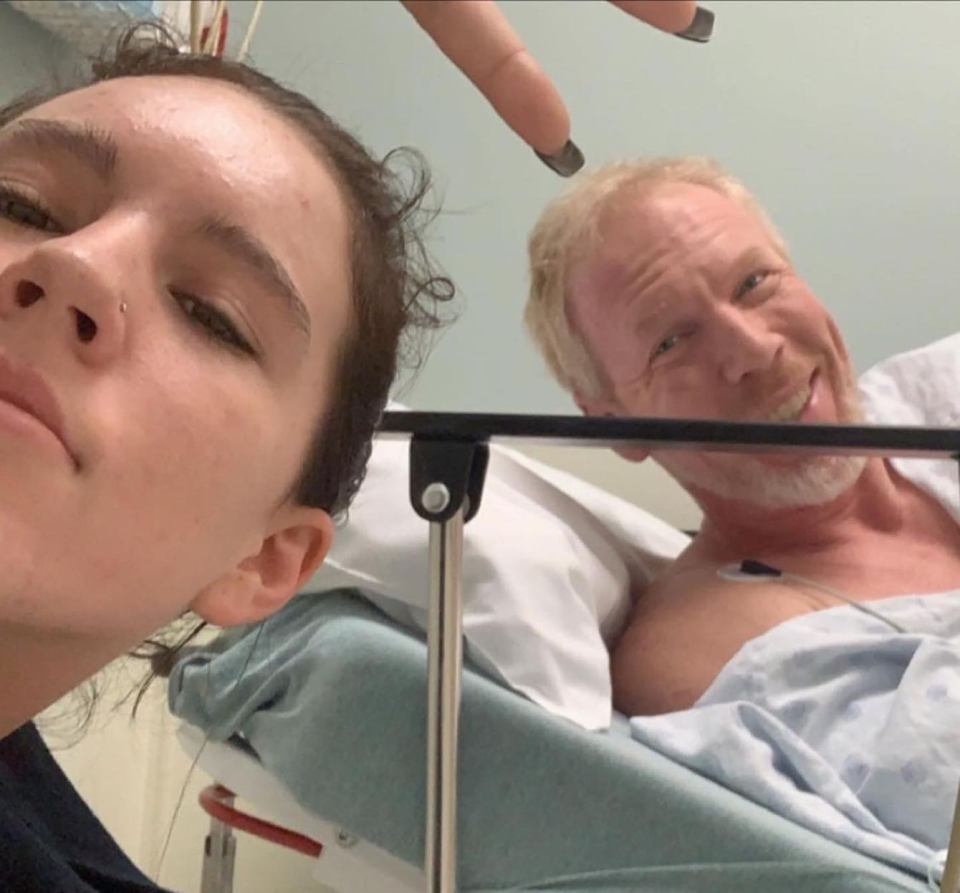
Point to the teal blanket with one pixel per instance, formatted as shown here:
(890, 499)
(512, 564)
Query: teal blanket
(330, 695)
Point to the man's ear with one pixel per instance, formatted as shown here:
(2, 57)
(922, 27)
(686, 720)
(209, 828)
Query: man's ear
(263, 583)
(605, 407)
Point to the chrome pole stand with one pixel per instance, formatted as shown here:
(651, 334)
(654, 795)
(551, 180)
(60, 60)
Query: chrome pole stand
(446, 484)
(950, 882)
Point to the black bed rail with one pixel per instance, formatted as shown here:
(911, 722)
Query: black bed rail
(661, 433)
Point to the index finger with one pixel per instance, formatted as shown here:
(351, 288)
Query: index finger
(673, 16)
(478, 39)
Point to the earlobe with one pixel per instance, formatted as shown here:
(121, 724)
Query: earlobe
(633, 454)
(261, 584)
(593, 407)
(604, 407)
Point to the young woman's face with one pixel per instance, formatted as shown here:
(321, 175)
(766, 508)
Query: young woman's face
(174, 281)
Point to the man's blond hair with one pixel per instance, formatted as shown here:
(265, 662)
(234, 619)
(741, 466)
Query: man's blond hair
(568, 230)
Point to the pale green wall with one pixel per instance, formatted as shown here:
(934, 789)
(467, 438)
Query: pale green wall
(843, 117)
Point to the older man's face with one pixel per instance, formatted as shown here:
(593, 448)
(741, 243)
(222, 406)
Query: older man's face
(174, 265)
(689, 311)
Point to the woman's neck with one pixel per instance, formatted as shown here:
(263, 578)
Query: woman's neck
(39, 669)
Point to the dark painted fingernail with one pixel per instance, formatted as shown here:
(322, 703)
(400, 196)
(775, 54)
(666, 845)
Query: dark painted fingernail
(566, 162)
(701, 28)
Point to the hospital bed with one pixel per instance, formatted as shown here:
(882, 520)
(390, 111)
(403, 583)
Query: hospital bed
(520, 799)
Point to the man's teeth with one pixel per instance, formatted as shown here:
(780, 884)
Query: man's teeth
(789, 410)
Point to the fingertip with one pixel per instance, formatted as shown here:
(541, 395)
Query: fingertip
(700, 30)
(566, 162)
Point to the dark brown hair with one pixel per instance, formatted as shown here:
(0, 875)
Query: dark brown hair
(396, 293)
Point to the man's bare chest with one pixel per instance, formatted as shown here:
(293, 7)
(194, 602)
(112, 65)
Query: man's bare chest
(692, 621)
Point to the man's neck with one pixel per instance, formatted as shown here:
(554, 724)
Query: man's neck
(734, 530)
(38, 670)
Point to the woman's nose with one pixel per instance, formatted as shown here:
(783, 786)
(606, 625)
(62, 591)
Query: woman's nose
(70, 293)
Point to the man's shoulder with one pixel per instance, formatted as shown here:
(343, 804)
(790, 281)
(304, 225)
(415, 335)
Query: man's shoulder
(697, 596)
(685, 628)
(691, 589)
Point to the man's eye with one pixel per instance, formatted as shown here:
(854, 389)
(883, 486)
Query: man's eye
(213, 323)
(751, 282)
(664, 346)
(22, 211)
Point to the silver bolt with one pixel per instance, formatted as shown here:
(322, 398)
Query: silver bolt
(436, 497)
(344, 839)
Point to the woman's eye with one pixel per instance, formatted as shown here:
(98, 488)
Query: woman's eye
(213, 323)
(22, 211)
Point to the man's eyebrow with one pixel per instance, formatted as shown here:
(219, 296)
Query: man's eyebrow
(246, 247)
(752, 256)
(745, 264)
(645, 323)
(93, 147)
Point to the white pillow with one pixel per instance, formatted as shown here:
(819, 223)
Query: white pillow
(549, 566)
(919, 387)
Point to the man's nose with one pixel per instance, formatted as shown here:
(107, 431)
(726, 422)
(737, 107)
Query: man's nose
(73, 288)
(746, 346)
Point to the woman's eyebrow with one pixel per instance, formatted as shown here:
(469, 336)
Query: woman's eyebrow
(92, 147)
(97, 150)
(238, 241)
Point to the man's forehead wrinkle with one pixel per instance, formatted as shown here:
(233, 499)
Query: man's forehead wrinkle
(627, 263)
(674, 261)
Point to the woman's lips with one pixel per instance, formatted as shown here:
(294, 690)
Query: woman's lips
(28, 405)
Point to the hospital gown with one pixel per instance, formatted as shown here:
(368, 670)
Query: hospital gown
(840, 723)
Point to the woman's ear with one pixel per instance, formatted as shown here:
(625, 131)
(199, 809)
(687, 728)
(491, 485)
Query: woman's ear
(605, 407)
(263, 583)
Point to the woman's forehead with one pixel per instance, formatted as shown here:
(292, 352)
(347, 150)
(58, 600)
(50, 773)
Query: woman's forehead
(195, 119)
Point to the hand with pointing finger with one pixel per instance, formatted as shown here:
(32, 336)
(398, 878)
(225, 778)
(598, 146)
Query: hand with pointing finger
(478, 39)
